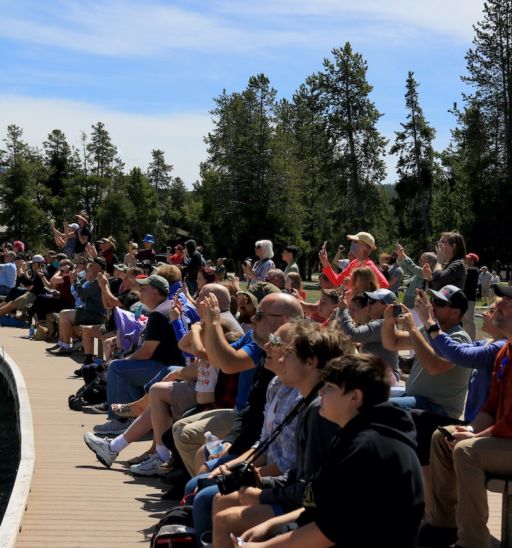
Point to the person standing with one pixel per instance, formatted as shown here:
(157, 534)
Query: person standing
(470, 290)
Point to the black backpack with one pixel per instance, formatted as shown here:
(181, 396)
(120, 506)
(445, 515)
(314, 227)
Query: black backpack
(175, 529)
(89, 394)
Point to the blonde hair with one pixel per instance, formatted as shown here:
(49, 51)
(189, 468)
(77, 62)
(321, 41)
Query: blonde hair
(364, 276)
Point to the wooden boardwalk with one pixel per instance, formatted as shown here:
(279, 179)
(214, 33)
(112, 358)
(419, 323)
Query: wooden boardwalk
(75, 501)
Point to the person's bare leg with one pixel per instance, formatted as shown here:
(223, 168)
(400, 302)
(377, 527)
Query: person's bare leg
(66, 322)
(223, 502)
(139, 427)
(237, 520)
(89, 333)
(7, 308)
(159, 402)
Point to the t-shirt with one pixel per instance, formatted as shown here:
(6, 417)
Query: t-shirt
(146, 255)
(395, 271)
(292, 267)
(8, 274)
(158, 329)
(471, 284)
(447, 389)
(247, 344)
(84, 231)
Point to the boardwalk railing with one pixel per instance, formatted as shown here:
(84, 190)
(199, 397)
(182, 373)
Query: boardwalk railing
(13, 516)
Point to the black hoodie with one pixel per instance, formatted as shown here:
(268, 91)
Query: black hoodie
(369, 490)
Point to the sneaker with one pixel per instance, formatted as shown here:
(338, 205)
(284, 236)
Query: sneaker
(77, 372)
(63, 352)
(149, 467)
(53, 348)
(101, 447)
(113, 427)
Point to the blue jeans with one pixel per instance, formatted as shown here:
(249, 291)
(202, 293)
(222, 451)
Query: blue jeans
(418, 402)
(126, 380)
(4, 289)
(203, 501)
(160, 375)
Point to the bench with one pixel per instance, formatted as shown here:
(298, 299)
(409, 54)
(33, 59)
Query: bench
(503, 485)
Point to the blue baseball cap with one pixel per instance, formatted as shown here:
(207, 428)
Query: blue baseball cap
(149, 239)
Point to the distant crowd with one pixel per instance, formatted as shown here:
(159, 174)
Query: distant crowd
(366, 416)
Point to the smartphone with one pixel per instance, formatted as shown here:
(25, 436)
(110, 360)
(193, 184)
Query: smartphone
(448, 435)
(237, 541)
(397, 310)
(324, 247)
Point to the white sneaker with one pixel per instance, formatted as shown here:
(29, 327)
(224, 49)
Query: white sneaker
(100, 446)
(113, 427)
(149, 467)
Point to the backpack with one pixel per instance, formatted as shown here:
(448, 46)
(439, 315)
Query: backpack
(89, 394)
(175, 529)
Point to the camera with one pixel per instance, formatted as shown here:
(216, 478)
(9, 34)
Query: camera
(242, 475)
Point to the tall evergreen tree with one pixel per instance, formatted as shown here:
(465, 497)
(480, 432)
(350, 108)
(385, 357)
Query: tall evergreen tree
(101, 151)
(159, 171)
(415, 168)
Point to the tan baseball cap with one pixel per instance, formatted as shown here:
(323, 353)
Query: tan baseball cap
(364, 237)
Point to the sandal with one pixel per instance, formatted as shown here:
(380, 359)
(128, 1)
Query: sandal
(123, 410)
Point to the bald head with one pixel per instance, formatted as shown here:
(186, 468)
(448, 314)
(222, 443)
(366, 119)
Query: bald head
(283, 304)
(220, 291)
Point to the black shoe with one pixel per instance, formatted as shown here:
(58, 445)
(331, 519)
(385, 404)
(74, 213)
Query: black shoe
(63, 352)
(99, 408)
(174, 493)
(78, 372)
(53, 348)
(438, 537)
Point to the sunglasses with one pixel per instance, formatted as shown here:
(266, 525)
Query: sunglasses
(275, 340)
(439, 303)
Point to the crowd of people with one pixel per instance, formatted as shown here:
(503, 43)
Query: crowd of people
(286, 422)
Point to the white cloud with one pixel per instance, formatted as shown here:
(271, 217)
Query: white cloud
(130, 28)
(179, 135)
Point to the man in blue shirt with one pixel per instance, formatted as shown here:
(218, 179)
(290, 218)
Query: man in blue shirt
(8, 273)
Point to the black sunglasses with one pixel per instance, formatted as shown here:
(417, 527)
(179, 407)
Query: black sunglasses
(439, 303)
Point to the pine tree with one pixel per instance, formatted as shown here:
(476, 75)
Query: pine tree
(101, 151)
(415, 168)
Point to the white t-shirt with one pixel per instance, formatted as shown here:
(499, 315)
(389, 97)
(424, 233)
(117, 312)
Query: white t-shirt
(206, 377)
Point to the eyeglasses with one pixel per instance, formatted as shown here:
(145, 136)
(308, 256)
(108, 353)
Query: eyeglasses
(259, 314)
(275, 340)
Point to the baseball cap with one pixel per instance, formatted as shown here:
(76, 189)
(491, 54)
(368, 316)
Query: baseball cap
(383, 295)
(262, 289)
(122, 267)
(149, 238)
(37, 259)
(364, 237)
(452, 295)
(156, 281)
(472, 257)
(100, 261)
(502, 290)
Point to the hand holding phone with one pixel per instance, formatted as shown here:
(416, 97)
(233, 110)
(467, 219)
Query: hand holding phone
(446, 433)
(397, 310)
(237, 541)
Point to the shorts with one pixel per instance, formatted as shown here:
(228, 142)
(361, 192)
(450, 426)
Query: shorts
(84, 317)
(24, 301)
(183, 397)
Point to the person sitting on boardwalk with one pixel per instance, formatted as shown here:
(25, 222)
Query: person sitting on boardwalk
(373, 437)
(126, 377)
(458, 511)
(89, 312)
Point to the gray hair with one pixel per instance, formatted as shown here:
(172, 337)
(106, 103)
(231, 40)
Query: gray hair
(266, 245)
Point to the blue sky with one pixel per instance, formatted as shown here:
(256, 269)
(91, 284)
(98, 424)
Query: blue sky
(149, 69)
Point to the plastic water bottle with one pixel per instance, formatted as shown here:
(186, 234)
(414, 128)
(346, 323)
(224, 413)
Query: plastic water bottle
(138, 312)
(213, 444)
(31, 331)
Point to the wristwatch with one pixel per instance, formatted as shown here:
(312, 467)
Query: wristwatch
(434, 328)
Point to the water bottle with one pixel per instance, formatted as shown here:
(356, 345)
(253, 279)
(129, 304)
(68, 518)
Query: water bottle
(138, 312)
(31, 331)
(213, 444)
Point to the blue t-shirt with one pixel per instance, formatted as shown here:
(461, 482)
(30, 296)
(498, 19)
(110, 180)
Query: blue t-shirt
(247, 344)
(8, 274)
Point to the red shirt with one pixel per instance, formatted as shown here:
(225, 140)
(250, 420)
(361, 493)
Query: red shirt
(337, 279)
(176, 259)
(499, 403)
